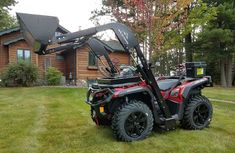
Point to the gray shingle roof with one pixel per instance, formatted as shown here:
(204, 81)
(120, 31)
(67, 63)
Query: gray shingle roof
(6, 31)
(63, 29)
(115, 45)
(12, 41)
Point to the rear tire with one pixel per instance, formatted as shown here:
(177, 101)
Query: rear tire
(198, 113)
(132, 121)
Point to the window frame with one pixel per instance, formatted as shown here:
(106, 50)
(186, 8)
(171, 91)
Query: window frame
(91, 66)
(47, 63)
(60, 57)
(24, 58)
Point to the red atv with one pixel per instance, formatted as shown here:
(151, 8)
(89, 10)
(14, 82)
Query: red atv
(133, 101)
(128, 103)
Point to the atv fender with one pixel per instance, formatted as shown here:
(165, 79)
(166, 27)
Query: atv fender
(198, 83)
(206, 81)
(139, 89)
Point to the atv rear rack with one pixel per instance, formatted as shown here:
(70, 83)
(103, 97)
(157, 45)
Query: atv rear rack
(120, 80)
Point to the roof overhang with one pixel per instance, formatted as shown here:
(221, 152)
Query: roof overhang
(6, 43)
(7, 31)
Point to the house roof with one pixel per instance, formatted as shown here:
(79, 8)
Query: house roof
(16, 39)
(115, 45)
(63, 29)
(12, 41)
(6, 31)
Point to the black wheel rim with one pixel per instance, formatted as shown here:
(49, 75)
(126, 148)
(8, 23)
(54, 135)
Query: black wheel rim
(201, 114)
(135, 124)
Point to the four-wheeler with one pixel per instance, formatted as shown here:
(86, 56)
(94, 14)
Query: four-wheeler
(132, 101)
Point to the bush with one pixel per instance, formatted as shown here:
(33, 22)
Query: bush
(53, 76)
(19, 74)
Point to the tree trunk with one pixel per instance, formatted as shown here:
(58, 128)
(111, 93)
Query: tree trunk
(188, 48)
(222, 73)
(145, 49)
(229, 70)
(180, 56)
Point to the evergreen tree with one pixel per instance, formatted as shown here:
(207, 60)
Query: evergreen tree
(176, 49)
(216, 42)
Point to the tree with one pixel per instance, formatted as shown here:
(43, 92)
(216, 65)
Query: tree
(217, 40)
(149, 19)
(6, 20)
(176, 49)
(199, 14)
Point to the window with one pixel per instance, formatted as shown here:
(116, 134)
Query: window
(59, 57)
(47, 63)
(23, 55)
(58, 35)
(92, 61)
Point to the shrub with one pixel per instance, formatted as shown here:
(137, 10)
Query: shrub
(53, 76)
(19, 74)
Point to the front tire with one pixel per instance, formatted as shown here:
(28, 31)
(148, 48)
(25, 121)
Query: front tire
(132, 121)
(198, 113)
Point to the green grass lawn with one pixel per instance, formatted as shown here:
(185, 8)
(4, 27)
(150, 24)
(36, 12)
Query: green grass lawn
(57, 120)
(220, 93)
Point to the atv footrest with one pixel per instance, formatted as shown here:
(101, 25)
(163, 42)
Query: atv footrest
(170, 123)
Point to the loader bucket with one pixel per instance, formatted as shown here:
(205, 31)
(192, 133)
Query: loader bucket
(38, 30)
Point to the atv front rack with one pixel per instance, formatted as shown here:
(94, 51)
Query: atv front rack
(99, 96)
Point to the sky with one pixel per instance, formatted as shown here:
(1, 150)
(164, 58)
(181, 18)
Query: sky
(73, 14)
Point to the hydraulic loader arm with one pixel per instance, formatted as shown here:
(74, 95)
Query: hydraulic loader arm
(38, 31)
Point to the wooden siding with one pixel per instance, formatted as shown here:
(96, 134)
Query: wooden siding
(4, 55)
(21, 45)
(70, 64)
(38, 60)
(54, 62)
(86, 73)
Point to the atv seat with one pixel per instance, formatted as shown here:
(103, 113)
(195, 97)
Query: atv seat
(166, 84)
